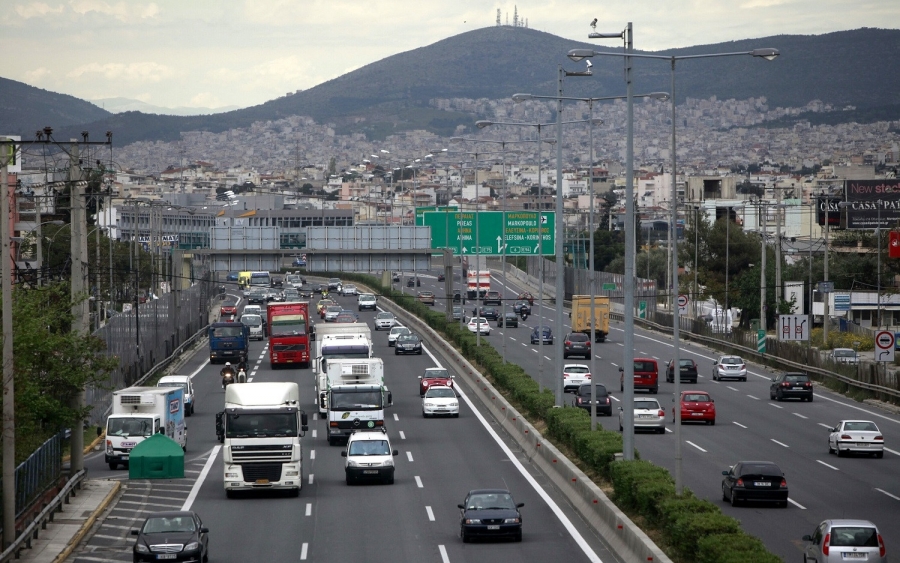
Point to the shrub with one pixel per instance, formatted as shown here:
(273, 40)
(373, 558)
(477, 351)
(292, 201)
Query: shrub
(627, 475)
(685, 530)
(717, 548)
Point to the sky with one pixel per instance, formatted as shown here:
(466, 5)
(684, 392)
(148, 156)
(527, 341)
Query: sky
(215, 53)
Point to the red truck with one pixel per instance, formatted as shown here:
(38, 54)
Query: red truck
(288, 325)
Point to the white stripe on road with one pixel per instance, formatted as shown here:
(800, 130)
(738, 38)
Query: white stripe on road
(828, 426)
(309, 509)
(430, 513)
(888, 494)
(779, 443)
(696, 446)
(797, 504)
(444, 557)
(402, 435)
(303, 551)
(754, 398)
(739, 424)
(409, 456)
(419, 482)
(895, 452)
(199, 482)
(203, 365)
(312, 454)
(798, 414)
(396, 418)
(314, 433)
(732, 388)
(311, 478)
(776, 406)
(826, 465)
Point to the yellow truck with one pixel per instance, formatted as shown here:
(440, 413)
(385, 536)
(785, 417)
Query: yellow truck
(243, 280)
(581, 315)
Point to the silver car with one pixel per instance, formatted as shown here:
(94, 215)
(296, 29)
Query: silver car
(856, 436)
(395, 333)
(648, 415)
(839, 541)
(385, 321)
(844, 356)
(349, 289)
(729, 367)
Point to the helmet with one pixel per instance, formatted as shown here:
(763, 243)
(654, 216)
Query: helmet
(227, 363)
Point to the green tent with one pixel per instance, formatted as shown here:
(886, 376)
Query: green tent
(157, 457)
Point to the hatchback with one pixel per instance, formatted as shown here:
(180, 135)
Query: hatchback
(331, 312)
(434, 376)
(490, 513)
(577, 344)
(648, 415)
(395, 333)
(508, 320)
(384, 320)
(492, 298)
(490, 313)
(687, 372)
(583, 399)
(696, 406)
(791, 386)
(729, 367)
(838, 541)
(457, 312)
(479, 324)
(439, 400)
(574, 375)
(754, 481)
(542, 333)
(856, 436)
(426, 297)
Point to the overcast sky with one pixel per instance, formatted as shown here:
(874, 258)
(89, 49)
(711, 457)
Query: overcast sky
(213, 53)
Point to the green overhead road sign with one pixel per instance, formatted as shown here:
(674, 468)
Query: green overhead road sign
(420, 212)
(517, 233)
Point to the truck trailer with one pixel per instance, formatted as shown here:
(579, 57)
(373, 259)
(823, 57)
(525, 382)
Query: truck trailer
(581, 316)
(356, 397)
(140, 412)
(338, 341)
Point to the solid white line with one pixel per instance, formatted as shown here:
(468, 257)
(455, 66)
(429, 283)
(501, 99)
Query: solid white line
(309, 509)
(312, 454)
(199, 482)
(567, 524)
(826, 465)
(402, 435)
(798, 414)
(739, 424)
(695, 445)
(549, 359)
(409, 456)
(303, 551)
(419, 482)
(669, 430)
(776, 406)
(797, 504)
(311, 478)
(889, 419)
(779, 443)
(430, 513)
(315, 416)
(444, 557)
(754, 398)
(396, 418)
(895, 452)
(888, 494)
(203, 365)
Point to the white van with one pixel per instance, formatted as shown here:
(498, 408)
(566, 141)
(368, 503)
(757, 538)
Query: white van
(257, 331)
(366, 301)
(183, 381)
(369, 456)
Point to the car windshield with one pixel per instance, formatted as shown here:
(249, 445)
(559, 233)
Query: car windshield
(227, 331)
(260, 425)
(577, 337)
(169, 524)
(477, 320)
(251, 320)
(696, 398)
(369, 447)
(437, 373)
(686, 363)
(545, 329)
(860, 426)
(646, 405)
(440, 392)
(129, 427)
(407, 338)
(577, 369)
(585, 390)
(173, 384)
(334, 309)
(399, 331)
(854, 536)
(386, 316)
(844, 353)
(491, 501)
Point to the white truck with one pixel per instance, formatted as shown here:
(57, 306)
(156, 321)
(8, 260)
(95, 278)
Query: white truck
(140, 412)
(338, 341)
(356, 396)
(261, 428)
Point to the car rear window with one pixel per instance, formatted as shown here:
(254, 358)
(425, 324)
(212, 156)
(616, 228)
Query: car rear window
(577, 369)
(796, 378)
(854, 536)
(650, 405)
(585, 390)
(577, 337)
(644, 366)
(696, 398)
(861, 426)
(761, 469)
(732, 360)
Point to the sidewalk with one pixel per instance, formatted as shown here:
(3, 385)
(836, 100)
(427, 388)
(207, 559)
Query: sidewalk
(71, 525)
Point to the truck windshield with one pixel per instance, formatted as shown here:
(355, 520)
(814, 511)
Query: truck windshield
(288, 328)
(260, 425)
(129, 427)
(227, 331)
(356, 400)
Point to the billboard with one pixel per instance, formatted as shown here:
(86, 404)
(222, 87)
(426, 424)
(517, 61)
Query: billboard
(867, 199)
(830, 203)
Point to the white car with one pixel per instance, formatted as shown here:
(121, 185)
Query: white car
(574, 376)
(367, 301)
(856, 436)
(440, 400)
(844, 356)
(385, 321)
(648, 415)
(479, 324)
(183, 381)
(729, 367)
(349, 289)
(369, 456)
(331, 312)
(254, 310)
(395, 333)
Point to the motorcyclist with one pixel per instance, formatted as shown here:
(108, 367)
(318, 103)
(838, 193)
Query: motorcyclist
(227, 374)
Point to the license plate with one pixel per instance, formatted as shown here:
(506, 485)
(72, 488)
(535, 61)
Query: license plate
(862, 445)
(696, 414)
(129, 444)
(493, 527)
(760, 484)
(798, 387)
(262, 481)
(166, 556)
(370, 471)
(855, 555)
(646, 416)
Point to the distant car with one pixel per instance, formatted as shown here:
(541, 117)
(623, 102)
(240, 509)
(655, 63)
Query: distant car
(408, 344)
(574, 376)
(179, 536)
(253, 310)
(346, 317)
(293, 280)
(411, 282)
(255, 323)
(396, 276)
(687, 371)
(755, 481)
(385, 320)
(508, 320)
(441, 277)
(457, 312)
(543, 334)
(290, 294)
(369, 456)
(525, 296)
(426, 297)
(648, 415)
(729, 367)
(232, 277)
(322, 305)
(839, 541)
(696, 406)
(522, 306)
(440, 400)
(856, 436)
(366, 301)
(228, 308)
(646, 375)
(577, 344)
(331, 313)
(582, 399)
(183, 381)
(333, 283)
(479, 325)
(395, 334)
(490, 513)
(258, 297)
(490, 313)
(844, 356)
(349, 289)
(434, 376)
(457, 297)
(791, 386)
(298, 263)
(492, 298)
(277, 281)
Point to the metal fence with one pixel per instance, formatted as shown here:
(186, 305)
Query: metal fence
(40, 471)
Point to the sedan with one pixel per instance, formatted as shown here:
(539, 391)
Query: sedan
(791, 386)
(696, 406)
(755, 481)
(331, 313)
(489, 313)
(543, 334)
(171, 536)
(395, 333)
(508, 320)
(729, 367)
(687, 371)
(856, 436)
(385, 321)
(457, 312)
(837, 541)
(648, 415)
(346, 317)
(574, 376)
(426, 297)
(479, 324)
(408, 344)
(490, 513)
(440, 400)
(583, 399)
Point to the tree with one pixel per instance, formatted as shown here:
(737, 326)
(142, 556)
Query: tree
(608, 245)
(332, 167)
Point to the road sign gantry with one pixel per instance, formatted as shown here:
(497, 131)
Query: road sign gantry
(519, 233)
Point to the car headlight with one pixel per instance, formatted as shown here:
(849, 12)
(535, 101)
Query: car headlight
(192, 546)
(141, 548)
(473, 521)
(511, 521)
(429, 404)
(388, 463)
(231, 475)
(291, 473)
(351, 463)
(454, 405)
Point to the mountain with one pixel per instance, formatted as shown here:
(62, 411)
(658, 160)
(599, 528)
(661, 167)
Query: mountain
(847, 68)
(24, 109)
(119, 105)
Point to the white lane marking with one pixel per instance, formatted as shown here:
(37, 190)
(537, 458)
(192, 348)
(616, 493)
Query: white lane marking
(311, 478)
(895, 421)
(895, 452)
(798, 414)
(567, 524)
(828, 426)
(754, 398)
(309, 509)
(303, 551)
(513, 339)
(739, 424)
(249, 380)
(668, 430)
(402, 435)
(396, 418)
(548, 358)
(312, 454)
(430, 513)
(695, 445)
(203, 365)
(887, 493)
(826, 465)
(797, 504)
(199, 482)
(315, 416)
(314, 432)
(444, 557)
(776, 406)
(780, 443)
(615, 365)
(409, 456)
(419, 482)
(613, 398)
(732, 388)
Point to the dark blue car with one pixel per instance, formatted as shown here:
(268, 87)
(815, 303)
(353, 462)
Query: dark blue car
(543, 333)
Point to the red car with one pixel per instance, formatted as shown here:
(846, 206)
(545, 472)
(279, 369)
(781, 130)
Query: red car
(434, 376)
(228, 309)
(696, 406)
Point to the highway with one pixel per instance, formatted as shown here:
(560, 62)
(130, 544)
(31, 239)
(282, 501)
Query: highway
(749, 426)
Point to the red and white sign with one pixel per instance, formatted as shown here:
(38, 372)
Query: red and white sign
(884, 346)
(894, 244)
(683, 304)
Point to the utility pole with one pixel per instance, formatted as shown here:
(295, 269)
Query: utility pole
(80, 311)
(778, 211)
(9, 408)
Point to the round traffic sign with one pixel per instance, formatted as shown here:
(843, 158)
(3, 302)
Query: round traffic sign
(885, 340)
(682, 300)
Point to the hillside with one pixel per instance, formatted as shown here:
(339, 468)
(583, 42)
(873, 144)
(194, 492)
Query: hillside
(841, 68)
(24, 109)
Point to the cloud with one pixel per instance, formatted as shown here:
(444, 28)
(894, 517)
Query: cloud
(206, 100)
(37, 10)
(122, 11)
(133, 72)
(34, 76)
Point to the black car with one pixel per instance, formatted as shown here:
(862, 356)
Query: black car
(791, 386)
(490, 313)
(582, 399)
(441, 277)
(577, 344)
(257, 297)
(172, 536)
(521, 306)
(396, 276)
(490, 513)
(319, 288)
(457, 297)
(687, 371)
(408, 344)
(755, 481)
(543, 333)
(512, 320)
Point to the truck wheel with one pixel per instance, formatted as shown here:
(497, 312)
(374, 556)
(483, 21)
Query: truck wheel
(229, 494)
(113, 465)
(295, 492)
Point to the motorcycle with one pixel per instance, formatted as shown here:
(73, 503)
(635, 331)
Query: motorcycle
(227, 378)
(242, 376)
(524, 316)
